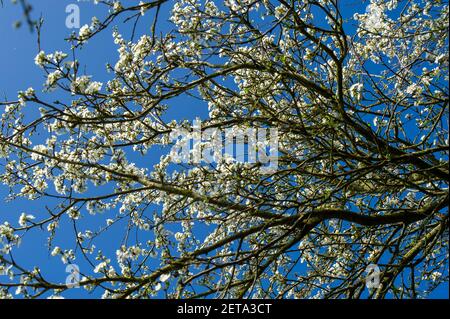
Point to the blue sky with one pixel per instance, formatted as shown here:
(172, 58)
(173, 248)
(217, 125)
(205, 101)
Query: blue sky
(18, 72)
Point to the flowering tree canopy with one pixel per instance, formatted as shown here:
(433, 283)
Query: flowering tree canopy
(359, 102)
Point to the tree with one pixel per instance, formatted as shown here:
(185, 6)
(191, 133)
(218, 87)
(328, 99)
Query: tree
(360, 106)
